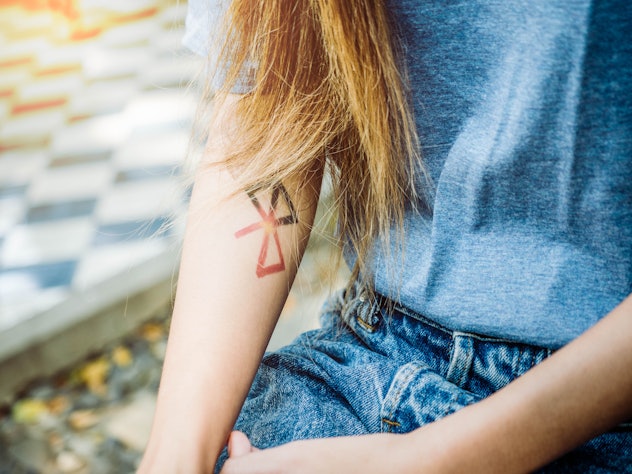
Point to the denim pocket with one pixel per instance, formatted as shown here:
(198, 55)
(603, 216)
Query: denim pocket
(418, 396)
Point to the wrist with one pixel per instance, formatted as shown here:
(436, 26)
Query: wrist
(168, 454)
(182, 442)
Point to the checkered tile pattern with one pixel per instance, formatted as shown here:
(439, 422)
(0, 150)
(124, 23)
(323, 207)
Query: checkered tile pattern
(94, 125)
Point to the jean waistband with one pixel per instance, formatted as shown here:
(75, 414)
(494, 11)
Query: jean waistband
(464, 358)
(355, 301)
(475, 362)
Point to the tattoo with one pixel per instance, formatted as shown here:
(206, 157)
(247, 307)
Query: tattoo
(270, 223)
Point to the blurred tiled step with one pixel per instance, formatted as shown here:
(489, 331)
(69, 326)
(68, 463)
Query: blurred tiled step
(16, 309)
(151, 113)
(44, 93)
(176, 72)
(159, 110)
(79, 181)
(61, 225)
(43, 242)
(102, 263)
(120, 7)
(174, 15)
(19, 167)
(21, 54)
(9, 11)
(31, 129)
(98, 17)
(104, 64)
(5, 110)
(101, 98)
(25, 25)
(169, 44)
(12, 210)
(10, 79)
(62, 59)
(91, 136)
(135, 201)
(151, 151)
(138, 33)
(41, 88)
(84, 322)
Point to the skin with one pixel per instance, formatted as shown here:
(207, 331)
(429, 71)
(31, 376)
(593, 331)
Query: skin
(229, 298)
(225, 309)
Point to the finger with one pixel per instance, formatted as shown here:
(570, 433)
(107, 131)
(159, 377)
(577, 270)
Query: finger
(238, 444)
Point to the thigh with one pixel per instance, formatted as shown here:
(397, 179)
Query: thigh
(357, 377)
(338, 381)
(326, 383)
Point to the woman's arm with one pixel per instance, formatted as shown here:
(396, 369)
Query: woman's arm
(239, 259)
(579, 392)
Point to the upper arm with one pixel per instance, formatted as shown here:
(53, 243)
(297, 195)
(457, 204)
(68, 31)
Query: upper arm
(272, 226)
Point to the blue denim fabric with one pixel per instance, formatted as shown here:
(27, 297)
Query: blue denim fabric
(369, 371)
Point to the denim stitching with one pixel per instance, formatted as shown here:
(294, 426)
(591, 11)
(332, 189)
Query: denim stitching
(480, 337)
(518, 368)
(412, 370)
(365, 325)
(391, 424)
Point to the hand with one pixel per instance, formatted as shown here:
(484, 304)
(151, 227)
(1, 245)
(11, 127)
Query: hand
(363, 454)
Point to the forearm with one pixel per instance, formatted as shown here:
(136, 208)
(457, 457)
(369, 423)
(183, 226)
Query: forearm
(229, 298)
(579, 392)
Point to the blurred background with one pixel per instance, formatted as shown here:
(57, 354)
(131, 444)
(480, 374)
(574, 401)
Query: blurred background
(97, 101)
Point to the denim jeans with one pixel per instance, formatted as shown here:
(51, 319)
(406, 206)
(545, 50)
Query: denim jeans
(375, 367)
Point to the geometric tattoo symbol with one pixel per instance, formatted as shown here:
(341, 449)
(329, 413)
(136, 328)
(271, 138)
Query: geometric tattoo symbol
(270, 224)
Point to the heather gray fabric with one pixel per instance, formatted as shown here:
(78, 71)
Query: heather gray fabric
(524, 111)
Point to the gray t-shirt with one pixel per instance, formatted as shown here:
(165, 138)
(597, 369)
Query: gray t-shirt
(524, 112)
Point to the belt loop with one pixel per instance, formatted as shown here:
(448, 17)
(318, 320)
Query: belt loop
(359, 307)
(367, 311)
(461, 359)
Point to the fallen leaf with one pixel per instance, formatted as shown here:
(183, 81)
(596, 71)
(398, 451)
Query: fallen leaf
(82, 419)
(122, 356)
(55, 441)
(68, 461)
(152, 332)
(29, 410)
(58, 404)
(94, 374)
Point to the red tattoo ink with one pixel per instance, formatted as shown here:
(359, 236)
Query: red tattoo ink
(270, 224)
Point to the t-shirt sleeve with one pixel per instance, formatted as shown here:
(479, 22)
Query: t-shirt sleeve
(203, 37)
(203, 18)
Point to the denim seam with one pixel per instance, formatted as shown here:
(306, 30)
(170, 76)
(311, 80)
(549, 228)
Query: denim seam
(517, 364)
(413, 369)
(391, 423)
(407, 312)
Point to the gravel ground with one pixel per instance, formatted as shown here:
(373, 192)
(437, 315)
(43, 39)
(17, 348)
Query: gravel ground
(93, 418)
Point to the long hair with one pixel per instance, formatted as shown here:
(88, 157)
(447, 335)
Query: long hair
(326, 80)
